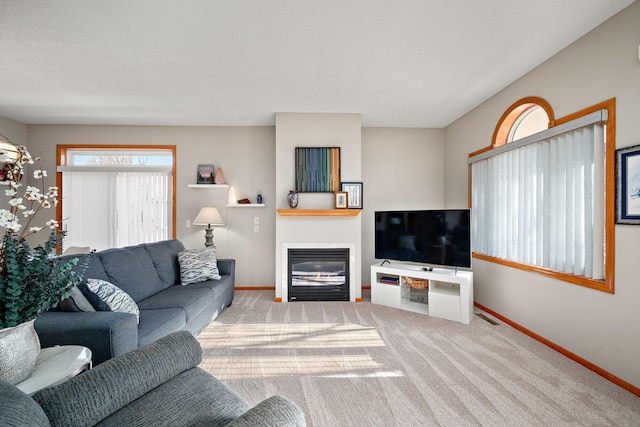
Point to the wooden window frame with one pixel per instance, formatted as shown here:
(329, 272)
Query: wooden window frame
(499, 138)
(61, 160)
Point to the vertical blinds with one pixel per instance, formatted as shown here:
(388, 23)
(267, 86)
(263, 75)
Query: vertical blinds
(114, 208)
(541, 200)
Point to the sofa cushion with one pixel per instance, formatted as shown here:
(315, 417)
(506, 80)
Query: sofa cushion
(132, 270)
(198, 265)
(155, 324)
(164, 255)
(210, 403)
(76, 301)
(218, 287)
(192, 301)
(115, 298)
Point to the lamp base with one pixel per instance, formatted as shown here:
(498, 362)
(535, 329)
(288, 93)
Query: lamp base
(208, 237)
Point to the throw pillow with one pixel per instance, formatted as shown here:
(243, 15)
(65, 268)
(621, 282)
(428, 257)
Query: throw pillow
(198, 265)
(113, 297)
(76, 301)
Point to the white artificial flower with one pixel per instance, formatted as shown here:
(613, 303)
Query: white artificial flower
(13, 226)
(28, 213)
(32, 193)
(46, 204)
(39, 173)
(15, 202)
(53, 192)
(6, 215)
(52, 224)
(10, 192)
(34, 229)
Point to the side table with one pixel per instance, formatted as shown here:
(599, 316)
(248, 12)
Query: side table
(56, 365)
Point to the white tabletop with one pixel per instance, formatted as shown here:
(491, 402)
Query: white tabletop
(56, 365)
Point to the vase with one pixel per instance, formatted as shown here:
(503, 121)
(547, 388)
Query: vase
(292, 198)
(19, 350)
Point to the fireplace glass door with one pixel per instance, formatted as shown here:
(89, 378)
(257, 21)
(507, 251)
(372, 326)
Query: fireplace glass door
(318, 274)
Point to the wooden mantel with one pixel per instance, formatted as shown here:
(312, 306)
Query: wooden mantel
(319, 212)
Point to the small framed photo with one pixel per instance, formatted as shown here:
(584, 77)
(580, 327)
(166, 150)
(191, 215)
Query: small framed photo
(205, 174)
(341, 199)
(354, 191)
(628, 185)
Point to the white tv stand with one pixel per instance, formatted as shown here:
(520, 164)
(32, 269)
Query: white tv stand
(450, 293)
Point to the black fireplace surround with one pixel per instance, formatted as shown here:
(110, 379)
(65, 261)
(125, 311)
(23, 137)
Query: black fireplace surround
(318, 274)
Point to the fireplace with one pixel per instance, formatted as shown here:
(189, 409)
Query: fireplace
(318, 274)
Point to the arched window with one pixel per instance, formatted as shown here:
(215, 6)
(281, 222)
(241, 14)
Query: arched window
(525, 117)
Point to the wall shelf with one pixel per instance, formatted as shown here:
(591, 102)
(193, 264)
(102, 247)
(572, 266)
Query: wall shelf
(221, 186)
(246, 205)
(319, 212)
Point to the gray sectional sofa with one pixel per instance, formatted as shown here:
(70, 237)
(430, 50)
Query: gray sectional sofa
(157, 385)
(150, 274)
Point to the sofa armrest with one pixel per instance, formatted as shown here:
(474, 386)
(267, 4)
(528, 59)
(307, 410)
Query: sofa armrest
(274, 411)
(106, 333)
(227, 266)
(99, 392)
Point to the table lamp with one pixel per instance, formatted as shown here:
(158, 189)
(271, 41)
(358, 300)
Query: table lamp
(208, 216)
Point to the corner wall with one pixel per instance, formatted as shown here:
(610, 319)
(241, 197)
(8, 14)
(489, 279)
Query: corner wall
(597, 326)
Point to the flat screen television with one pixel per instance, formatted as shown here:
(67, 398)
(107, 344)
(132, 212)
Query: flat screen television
(434, 237)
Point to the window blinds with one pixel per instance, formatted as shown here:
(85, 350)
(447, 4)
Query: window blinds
(541, 200)
(113, 208)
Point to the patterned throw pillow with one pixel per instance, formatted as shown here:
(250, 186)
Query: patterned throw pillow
(198, 265)
(114, 297)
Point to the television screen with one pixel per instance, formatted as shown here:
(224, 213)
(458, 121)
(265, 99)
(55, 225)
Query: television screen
(436, 237)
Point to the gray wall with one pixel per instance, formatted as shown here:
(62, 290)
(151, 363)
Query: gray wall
(597, 326)
(401, 169)
(247, 157)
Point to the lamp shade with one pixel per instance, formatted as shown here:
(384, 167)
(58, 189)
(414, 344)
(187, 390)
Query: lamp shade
(208, 216)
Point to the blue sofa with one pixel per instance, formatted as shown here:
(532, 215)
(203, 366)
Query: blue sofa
(157, 385)
(150, 274)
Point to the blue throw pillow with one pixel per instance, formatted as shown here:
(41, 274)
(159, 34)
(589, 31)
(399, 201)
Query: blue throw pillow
(76, 301)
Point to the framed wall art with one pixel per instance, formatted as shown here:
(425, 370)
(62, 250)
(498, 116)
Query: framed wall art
(317, 169)
(354, 190)
(628, 185)
(205, 174)
(341, 199)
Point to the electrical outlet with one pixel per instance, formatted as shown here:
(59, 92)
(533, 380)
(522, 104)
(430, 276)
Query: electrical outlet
(256, 228)
(256, 220)
(188, 224)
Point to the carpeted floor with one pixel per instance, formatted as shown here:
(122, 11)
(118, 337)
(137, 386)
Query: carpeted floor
(361, 364)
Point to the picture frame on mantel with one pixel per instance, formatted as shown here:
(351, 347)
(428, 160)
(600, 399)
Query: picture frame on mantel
(354, 190)
(205, 174)
(341, 199)
(628, 185)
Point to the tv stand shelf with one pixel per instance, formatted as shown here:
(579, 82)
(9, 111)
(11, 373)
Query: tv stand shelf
(450, 292)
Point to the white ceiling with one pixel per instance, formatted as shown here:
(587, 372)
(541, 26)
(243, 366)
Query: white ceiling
(400, 63)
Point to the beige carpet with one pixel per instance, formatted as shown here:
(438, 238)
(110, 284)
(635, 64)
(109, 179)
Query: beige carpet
(360, 364)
